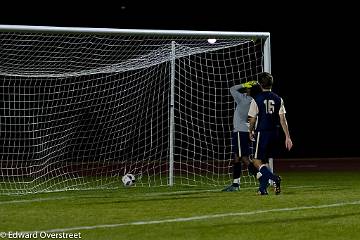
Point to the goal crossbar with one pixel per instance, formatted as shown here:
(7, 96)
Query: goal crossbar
(148, 32)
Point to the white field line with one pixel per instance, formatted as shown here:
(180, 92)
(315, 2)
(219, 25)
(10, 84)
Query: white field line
(34, 200)
(195, 218)
(145, 194)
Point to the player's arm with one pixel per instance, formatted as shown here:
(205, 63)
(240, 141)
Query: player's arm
(252, 115)
(238, 96)
(285, 126)
(234, 90)
(252, 121)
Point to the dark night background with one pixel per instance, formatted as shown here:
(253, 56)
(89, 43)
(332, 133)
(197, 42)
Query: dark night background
(314, 53)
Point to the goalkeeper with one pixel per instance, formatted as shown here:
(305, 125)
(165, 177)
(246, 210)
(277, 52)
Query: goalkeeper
(243, 95)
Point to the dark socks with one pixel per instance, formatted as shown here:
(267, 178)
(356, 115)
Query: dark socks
(237, 170)
(267, 174)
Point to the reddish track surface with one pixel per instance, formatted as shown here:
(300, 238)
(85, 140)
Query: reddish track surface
(317, 164)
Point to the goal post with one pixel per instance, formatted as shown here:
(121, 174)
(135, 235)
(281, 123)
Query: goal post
(81, 107)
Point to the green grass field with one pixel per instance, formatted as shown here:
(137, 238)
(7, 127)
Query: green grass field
(313, 205)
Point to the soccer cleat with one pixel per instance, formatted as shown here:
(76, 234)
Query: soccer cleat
(277, 187)
(262, 192)
(231, 188)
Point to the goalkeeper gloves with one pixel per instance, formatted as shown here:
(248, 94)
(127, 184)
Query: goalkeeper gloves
(249, 84)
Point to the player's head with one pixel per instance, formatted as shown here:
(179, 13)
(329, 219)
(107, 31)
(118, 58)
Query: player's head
(246, 91)
(265, 80)
(255, 90)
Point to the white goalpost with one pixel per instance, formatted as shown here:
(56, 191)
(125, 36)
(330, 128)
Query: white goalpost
(81, 107)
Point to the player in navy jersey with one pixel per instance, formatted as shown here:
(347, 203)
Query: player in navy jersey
(242, 95)
(267, 112)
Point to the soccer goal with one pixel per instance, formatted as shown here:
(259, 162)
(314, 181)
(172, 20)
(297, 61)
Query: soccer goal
(81, 107)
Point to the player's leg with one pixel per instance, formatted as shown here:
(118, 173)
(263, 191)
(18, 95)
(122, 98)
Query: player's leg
(241, 152)
(236, 149)
(269, 148)
(247, 162)
(264, 146)
(252, 169)
(260, 153)
(270, 165)
(244, 152)
(274, 147)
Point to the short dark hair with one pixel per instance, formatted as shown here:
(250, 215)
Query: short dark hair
(255, 90)
(265, 80)
(243, 90)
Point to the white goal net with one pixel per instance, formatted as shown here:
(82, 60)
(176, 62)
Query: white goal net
(82, 107)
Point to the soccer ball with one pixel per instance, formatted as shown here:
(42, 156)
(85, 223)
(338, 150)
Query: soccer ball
(128, 180)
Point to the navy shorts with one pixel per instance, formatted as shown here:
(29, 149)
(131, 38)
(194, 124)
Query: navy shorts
(240, 144)
(266, 145)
